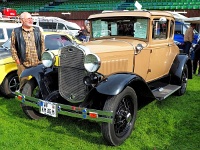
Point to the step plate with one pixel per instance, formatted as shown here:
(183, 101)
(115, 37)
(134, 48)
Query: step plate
(163, 92)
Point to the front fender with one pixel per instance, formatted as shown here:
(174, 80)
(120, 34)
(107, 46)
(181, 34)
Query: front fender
(6, 69)
(115, 83)
(38, 73)
(35, 71)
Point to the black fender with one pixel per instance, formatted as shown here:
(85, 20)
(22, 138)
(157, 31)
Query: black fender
(178, 65)
(116, 83)
(35, 71)
(39, 73)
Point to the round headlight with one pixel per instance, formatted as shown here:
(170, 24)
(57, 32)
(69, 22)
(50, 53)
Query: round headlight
(48, 59)
(92, 62)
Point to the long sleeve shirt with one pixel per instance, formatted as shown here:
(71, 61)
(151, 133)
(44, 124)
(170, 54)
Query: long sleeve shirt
(31, 52)
(189, 35)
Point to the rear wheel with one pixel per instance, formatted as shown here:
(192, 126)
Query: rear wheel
(124, 107)
(184, 80)
(31, 89)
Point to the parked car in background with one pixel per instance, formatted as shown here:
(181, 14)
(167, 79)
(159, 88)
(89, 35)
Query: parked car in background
(6, 30)
(182, 23)
(8, 78)
(180, 29)
(131, 58)
(56, 24)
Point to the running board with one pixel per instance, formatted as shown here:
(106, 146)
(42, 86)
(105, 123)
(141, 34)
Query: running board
(163, 92)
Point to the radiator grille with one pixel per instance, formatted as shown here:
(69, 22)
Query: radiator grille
(71, 74)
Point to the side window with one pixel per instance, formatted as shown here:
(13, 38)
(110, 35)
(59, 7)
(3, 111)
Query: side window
(159, 30)
(9, 31)
(171, 28)
(1, 34)
(178, 28)
(61, 26)
(48, 26)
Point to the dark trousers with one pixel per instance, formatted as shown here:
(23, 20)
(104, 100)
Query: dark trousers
(196, 61)
(23, 80)
(187, 47)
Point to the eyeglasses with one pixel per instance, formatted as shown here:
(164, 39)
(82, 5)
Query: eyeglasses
(28, 18)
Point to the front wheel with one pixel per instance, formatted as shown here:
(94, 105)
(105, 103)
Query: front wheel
(124, 107)
(31, 89)
(10, 85)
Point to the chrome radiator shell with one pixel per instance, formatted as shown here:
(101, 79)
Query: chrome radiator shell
(71, 73)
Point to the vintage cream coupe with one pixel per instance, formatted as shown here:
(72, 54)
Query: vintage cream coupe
(131, 58)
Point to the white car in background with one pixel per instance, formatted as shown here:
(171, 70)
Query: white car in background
(56, 24)
(6, 30)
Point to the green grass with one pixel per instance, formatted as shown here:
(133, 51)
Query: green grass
(172, 124)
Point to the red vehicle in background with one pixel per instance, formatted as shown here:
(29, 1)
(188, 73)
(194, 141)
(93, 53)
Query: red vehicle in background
(8, 13)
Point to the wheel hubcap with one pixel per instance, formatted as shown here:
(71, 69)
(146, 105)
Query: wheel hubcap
(124, 116)
(14, 84)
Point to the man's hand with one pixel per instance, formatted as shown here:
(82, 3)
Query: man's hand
(17, 62)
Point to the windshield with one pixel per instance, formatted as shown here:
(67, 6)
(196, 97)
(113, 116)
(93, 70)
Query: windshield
(136, 27)
(56, 41)
(52, 42)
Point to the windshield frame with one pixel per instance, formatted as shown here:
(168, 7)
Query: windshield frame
(108, 27)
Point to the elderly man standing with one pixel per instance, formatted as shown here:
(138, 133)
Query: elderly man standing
(27, 45)
(188, 38)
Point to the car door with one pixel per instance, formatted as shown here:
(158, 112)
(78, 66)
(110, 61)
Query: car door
(160, 50)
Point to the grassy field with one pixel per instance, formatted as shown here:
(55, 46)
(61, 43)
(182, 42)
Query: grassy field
(172, 124)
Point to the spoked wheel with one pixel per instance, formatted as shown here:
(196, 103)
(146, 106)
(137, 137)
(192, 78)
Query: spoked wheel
(184, 80)
(31, 89)
(124, 107)
(10, 85)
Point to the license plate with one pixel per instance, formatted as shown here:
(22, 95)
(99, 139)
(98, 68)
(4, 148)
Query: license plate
(48, 108)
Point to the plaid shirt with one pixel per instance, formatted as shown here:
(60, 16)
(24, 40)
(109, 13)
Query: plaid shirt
(31, 52)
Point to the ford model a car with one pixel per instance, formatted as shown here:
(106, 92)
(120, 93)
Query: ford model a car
(130, 58)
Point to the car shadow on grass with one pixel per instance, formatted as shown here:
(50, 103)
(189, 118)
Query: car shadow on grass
(73, 127)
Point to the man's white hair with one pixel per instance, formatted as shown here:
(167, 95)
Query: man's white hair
(23, 14)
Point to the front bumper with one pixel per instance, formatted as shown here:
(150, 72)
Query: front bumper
(68, 110)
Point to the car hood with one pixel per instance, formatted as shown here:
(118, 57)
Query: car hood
(109, 45)
(5, 56)
(4, 53)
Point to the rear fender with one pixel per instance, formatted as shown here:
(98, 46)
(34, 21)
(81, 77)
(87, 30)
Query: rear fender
(178, 65)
